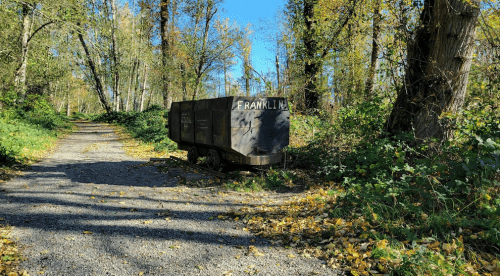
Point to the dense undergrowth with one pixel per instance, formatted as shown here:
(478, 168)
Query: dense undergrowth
(379, 204)
(147, 126)
(27, 132)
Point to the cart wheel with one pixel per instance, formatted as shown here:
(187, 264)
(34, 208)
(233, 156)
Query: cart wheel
(213, 160)
(192, 155)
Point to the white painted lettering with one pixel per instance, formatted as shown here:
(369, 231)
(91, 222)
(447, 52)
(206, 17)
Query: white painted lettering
(252, 106)
(264, 105)
(274, 104)
(259, 105)
(240, 103)
(247, 105)
(282, 105)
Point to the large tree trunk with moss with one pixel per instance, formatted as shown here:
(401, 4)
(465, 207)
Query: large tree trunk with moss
(436, 78)
(20, 77)
(311, 64)
(165, 49)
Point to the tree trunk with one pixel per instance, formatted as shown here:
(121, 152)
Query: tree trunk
(209, 14)
(372, 72)
(165, 48)
(116, 61)
(184, 82)
(438, 69)
(278, 74)
(98, 84)
(225, 78)
(131, 83)
(20, 76)
(311, 66)
(68, 104)
(143, 90)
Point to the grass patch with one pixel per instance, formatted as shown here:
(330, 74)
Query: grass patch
(147, 126)
(272, 179)
(140, 149)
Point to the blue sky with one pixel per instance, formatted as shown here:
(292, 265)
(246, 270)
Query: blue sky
(262, 15)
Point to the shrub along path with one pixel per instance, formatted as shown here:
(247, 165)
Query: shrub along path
(89, 209)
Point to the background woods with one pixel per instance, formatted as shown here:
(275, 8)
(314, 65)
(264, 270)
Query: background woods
(129, 55)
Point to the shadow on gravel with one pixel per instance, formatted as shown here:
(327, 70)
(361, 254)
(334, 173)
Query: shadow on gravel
(57, 196)
(81, 217)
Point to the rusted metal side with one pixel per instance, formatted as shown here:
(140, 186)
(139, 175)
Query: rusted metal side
(174, 122)
(220, 122)
(203, 122)
(259, 126)
(187, 121)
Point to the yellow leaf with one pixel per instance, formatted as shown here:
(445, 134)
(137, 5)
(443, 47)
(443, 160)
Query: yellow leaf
(148, 222)
(291, 256)
(87, 232)
(433, 245)
(259, 254)
(382, 244)
(424, 216)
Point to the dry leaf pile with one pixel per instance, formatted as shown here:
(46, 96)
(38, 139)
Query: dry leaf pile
(9, 255)
(352, 243)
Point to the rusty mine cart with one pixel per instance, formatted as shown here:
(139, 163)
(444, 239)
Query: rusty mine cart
(242, 130)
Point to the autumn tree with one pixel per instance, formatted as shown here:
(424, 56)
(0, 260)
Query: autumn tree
(436, 78)
(245, 49)
(374, 59)
(318, 26)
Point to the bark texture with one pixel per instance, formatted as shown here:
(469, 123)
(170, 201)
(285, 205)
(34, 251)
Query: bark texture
(311, 65)
(20, 76)
(165, 49)
(116, 60)
(372, 72)
(436, 78)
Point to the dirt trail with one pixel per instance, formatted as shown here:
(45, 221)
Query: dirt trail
(89, 209)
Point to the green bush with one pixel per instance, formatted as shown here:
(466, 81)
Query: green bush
(147, 126)
(27, 131)
(438, 186)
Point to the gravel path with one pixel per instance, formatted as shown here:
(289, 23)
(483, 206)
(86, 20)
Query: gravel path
(89, 209)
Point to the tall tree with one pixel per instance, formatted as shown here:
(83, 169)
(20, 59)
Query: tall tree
(97, 80)
(227, 60)
(116, 56)
(439, 60)
(372, 71)
(165, 49)
(318, 27)
(245, 47)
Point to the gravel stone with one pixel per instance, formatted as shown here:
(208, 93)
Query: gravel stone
(89, 209)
